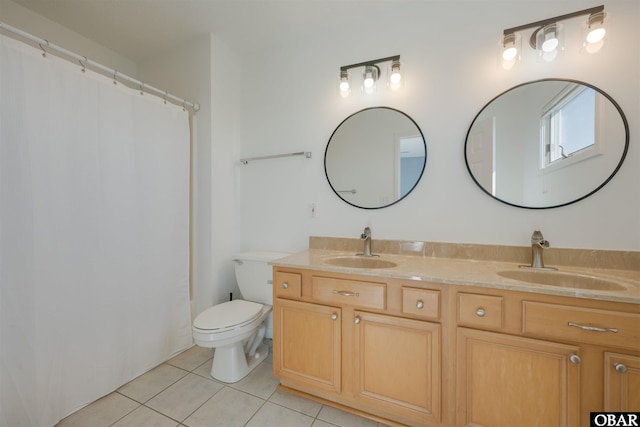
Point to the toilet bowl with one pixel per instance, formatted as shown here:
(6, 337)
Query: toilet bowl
(236, 329)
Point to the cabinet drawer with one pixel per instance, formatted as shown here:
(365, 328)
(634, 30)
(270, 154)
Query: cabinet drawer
(585, 325)
(421, 302)
(287, 285)
(485, 311)
(349, 292)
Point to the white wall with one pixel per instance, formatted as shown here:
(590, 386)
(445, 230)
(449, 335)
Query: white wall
(186, 70)
(286, 99)
(22, 18)
(290, 103)
(205, 70)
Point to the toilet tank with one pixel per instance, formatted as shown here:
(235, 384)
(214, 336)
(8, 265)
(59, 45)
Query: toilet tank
(255, 275)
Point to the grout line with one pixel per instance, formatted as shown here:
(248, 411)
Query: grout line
(254, 414)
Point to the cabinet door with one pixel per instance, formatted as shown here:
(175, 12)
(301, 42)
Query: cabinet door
(307, 341)
(397, 367)
(506, 381)
(621, 383)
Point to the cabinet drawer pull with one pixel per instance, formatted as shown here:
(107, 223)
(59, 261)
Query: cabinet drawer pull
(593, 328)
(575, 359)
(419, 304)
(346, 293)
(480, 312)
(620, 368)
(334, 316)
(285, 285)
(356, 320)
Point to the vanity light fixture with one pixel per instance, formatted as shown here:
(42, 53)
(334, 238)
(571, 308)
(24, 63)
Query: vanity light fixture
(371, 75)
(547, 39)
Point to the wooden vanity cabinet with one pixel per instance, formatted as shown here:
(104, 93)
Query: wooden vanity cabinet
(424, 354)
(533, 359)
(367, 344)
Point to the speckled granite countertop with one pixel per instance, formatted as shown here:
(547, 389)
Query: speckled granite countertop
(470, 272)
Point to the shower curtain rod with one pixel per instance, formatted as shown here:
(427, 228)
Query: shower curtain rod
(84, 61)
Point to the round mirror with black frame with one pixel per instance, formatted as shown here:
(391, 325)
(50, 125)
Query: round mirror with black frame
(375, 157)
(546, 143)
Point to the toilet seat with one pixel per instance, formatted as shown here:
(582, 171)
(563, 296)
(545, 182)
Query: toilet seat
(226, 316)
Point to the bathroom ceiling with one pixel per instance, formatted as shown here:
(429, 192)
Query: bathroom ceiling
(142, 29)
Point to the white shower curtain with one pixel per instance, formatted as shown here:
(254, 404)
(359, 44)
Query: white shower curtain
(94, 199)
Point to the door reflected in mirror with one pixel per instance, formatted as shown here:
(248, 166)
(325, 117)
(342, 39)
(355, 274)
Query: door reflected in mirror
(546, 143)
(375, 157)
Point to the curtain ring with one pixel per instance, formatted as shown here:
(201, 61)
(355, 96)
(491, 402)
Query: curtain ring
(115, 73)
(141, 88)
(165, 97)
(44, 51)
(84, 65)
(184, 107)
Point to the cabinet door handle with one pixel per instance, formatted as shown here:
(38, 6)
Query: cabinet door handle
(593, 328)
(620, 367)
(480, 312)
(334, 316)
(356, 320)
(575, 359)
(285, 285)
(347, 293)
(419, 304)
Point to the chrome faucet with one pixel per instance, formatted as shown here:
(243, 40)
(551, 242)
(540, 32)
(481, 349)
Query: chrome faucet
(366, 236)
(538, 244)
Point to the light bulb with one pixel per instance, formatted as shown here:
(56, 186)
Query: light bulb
(596, 35)
(509, 53)
(368, 82)
(550, 42)
(395, 77)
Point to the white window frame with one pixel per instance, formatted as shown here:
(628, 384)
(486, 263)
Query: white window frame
(565, 96)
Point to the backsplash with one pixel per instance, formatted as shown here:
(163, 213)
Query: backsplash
(619, 260)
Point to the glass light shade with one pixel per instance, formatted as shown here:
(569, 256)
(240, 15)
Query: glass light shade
(395, 77)
(549, 42)
(345, 86)
(369, 78)
(594, 33)
(509, 50)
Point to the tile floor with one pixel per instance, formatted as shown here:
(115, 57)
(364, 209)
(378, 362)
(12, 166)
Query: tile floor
(181, 392)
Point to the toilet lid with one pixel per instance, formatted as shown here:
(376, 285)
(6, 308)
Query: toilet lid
(228, 314)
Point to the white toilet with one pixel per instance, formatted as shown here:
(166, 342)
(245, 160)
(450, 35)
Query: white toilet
(236, 328)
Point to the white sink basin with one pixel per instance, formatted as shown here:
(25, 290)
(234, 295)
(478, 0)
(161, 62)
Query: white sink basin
(564, 280)
(358, 261)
